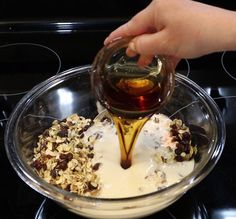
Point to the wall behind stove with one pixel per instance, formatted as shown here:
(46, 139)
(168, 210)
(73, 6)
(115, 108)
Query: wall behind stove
(18, 10)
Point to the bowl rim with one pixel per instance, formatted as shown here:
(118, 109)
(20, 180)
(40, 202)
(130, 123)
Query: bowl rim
(58, 194)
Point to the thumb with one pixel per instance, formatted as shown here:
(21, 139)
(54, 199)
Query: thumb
(151, 44)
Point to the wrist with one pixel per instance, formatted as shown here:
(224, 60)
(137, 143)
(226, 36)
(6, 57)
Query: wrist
(228, 31)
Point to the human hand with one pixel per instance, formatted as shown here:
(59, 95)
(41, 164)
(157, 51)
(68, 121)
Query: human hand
(179, 29)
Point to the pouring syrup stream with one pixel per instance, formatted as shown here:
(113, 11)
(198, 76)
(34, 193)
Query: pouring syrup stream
(131, 93)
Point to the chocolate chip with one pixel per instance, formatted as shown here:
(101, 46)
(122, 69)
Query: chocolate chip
(96, 166)
(175, 138)
(90, 147)
(180, 146)
(178, 151)
(184, 142)
(187, 150)
(92, 186)
(174, 132)
(186, 136)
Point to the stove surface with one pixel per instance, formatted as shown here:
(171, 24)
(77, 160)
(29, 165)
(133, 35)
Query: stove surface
(29, 57)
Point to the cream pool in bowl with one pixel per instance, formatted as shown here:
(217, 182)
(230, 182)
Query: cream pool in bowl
(64, 145)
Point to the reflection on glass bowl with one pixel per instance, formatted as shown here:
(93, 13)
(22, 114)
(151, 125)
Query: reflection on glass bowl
(70, 92)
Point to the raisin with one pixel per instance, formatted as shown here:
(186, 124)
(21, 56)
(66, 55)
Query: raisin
(68, 187)
(80, 131)
(179, 158)
(67, 157)
(54, 146)
(38, 165)
(174, 126)
(62, 165)
(86, 128)
(63, 132)
(53, 173)
(90, 155)
(81, 135)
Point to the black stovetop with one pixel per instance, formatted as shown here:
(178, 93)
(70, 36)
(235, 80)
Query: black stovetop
(33, 52)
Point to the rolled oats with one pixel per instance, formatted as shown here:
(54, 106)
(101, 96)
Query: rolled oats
(63, 157)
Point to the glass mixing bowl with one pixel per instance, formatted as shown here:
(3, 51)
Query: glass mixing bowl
(70, 92)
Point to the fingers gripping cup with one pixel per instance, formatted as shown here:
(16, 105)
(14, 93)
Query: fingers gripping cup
(131, 88)
(128, 88)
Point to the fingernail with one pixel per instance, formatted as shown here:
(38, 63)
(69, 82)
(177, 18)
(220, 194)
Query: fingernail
(132, 46)
(106, 41)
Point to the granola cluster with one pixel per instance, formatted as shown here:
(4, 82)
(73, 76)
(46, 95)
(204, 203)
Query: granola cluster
(182, 137)
(180, 146)
(63, 156)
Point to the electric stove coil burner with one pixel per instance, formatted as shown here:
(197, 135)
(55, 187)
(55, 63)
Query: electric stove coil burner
(23, 65)
(227, 61)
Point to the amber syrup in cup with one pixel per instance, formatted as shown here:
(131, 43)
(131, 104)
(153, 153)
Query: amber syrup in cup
(130, 92)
